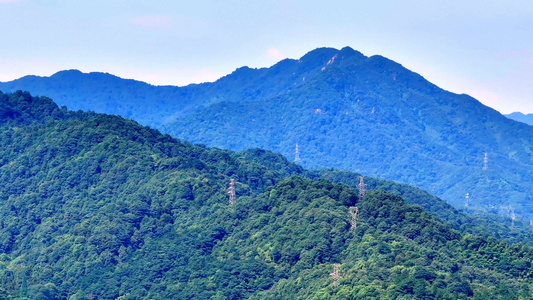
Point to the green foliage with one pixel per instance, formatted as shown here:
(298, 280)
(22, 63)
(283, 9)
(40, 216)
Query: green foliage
(372, 116)
(399, 252)
(98, 207)
(364, 114)
(481, 223)
(354, 116)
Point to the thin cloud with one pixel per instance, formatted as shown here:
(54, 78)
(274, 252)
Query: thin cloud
(275, 54)
(152, 22)
(8, 1)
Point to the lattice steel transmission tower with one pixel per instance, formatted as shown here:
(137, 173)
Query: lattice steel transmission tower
(231, 191)
(297, 153)
(353, 212)
(362, 188)
(335, 274)
(467, 197)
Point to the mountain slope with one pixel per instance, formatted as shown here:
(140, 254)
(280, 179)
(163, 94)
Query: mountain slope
(358, 113)
(96, 206)
(344, 110)
(520, 117)
(87, 196)
(104, 93)
(157, 105)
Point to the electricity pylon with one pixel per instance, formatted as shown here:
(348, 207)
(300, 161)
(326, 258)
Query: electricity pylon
(353, 212)
(362, 188)
(231, 191)
(336, 275)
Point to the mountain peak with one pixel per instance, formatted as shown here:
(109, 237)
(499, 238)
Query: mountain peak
(77, 74)
(326, 54)
(521, 117)
(319, 55)
(68, 72)
(321, 58)
(349, 52)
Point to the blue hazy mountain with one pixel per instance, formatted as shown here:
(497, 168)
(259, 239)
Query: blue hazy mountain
(344, 110)
(520, 117)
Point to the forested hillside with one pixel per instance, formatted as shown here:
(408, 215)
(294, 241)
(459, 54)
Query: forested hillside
(372, 116)
(95, 206)
(344, 110)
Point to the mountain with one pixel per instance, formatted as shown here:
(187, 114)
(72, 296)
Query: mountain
(520, 117)
(372, 116)
(150, 105)
(102, 92)
(94, 206)
(344, 110)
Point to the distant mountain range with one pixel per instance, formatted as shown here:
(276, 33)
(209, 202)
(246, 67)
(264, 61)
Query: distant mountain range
(520, 117)
(344, 110)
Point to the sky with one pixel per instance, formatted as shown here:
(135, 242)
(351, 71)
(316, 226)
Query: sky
(481, 48)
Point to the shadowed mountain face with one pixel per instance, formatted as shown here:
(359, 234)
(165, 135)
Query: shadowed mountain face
(344, 110)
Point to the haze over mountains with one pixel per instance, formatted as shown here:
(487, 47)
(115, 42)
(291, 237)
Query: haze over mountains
(344, 110)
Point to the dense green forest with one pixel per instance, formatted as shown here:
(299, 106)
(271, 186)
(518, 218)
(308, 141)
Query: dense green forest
(94, 206)
(372, 116)
(363, 114)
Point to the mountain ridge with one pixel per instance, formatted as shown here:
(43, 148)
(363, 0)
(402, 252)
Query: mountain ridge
(441, 117)
(432, 138)
(521, 117)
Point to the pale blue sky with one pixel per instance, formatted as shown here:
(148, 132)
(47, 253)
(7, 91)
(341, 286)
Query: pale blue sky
(482, 48)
